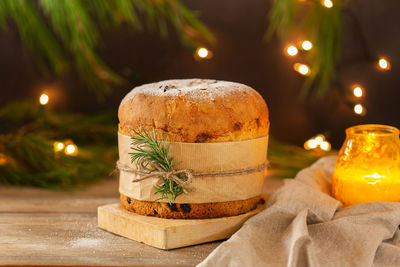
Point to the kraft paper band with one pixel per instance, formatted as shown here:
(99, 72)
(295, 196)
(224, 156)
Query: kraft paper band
(203, 157)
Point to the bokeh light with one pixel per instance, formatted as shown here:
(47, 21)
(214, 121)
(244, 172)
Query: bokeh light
(43, 99)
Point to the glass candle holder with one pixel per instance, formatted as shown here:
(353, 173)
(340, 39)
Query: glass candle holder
(368, 165)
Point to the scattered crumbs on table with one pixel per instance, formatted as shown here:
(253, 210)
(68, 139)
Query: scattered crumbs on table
(86, 243)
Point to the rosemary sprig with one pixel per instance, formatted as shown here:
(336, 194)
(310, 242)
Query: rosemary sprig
(148, 151)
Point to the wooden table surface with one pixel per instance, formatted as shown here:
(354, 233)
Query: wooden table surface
(40, 227)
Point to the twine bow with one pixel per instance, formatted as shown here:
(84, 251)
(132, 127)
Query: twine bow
(160, 173)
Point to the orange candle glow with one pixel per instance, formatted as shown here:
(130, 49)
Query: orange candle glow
(368, 166)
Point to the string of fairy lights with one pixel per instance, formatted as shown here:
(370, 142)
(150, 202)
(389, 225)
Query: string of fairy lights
(319, 142)
(68, 147)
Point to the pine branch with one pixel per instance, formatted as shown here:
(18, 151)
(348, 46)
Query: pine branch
(114, 13)
(319, 24)
(3, 15)
(27, 136)
(286, 160)
(27, 155)
(80, 35)
(52, 124)
(31, 161)
(76, 23)
(34, 34)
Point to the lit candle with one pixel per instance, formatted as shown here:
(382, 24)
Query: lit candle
(368, 166)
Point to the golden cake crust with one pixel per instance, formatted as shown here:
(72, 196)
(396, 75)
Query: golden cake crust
(194, 111)
(190, 210)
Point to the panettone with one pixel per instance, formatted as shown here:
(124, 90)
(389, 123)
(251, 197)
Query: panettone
(194, 111)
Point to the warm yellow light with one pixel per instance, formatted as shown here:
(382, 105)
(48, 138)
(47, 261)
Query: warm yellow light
(303, 69)
(307, 145)
(317, 142)
(292, 50)
(3, 159)
(44, 99)
(358, 109)
(319, 139)
(58, 146)
(312, 143)
(375, 175)
(383, 64)
(307, 45)
(327, 3)
(202, 52)
(71, 150)
(325, 145)
(365, 170)
(358, 92)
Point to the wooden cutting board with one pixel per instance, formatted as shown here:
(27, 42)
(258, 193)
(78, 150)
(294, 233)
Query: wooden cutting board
(168, 233)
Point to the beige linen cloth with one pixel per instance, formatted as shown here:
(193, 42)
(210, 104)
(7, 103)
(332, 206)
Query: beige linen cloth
(304, 226)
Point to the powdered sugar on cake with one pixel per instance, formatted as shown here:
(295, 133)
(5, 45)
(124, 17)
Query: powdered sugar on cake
(196, 89)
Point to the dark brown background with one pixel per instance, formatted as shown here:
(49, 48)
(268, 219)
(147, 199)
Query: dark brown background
(240, 55)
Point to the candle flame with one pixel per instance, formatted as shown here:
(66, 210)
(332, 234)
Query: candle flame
(375, 175)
